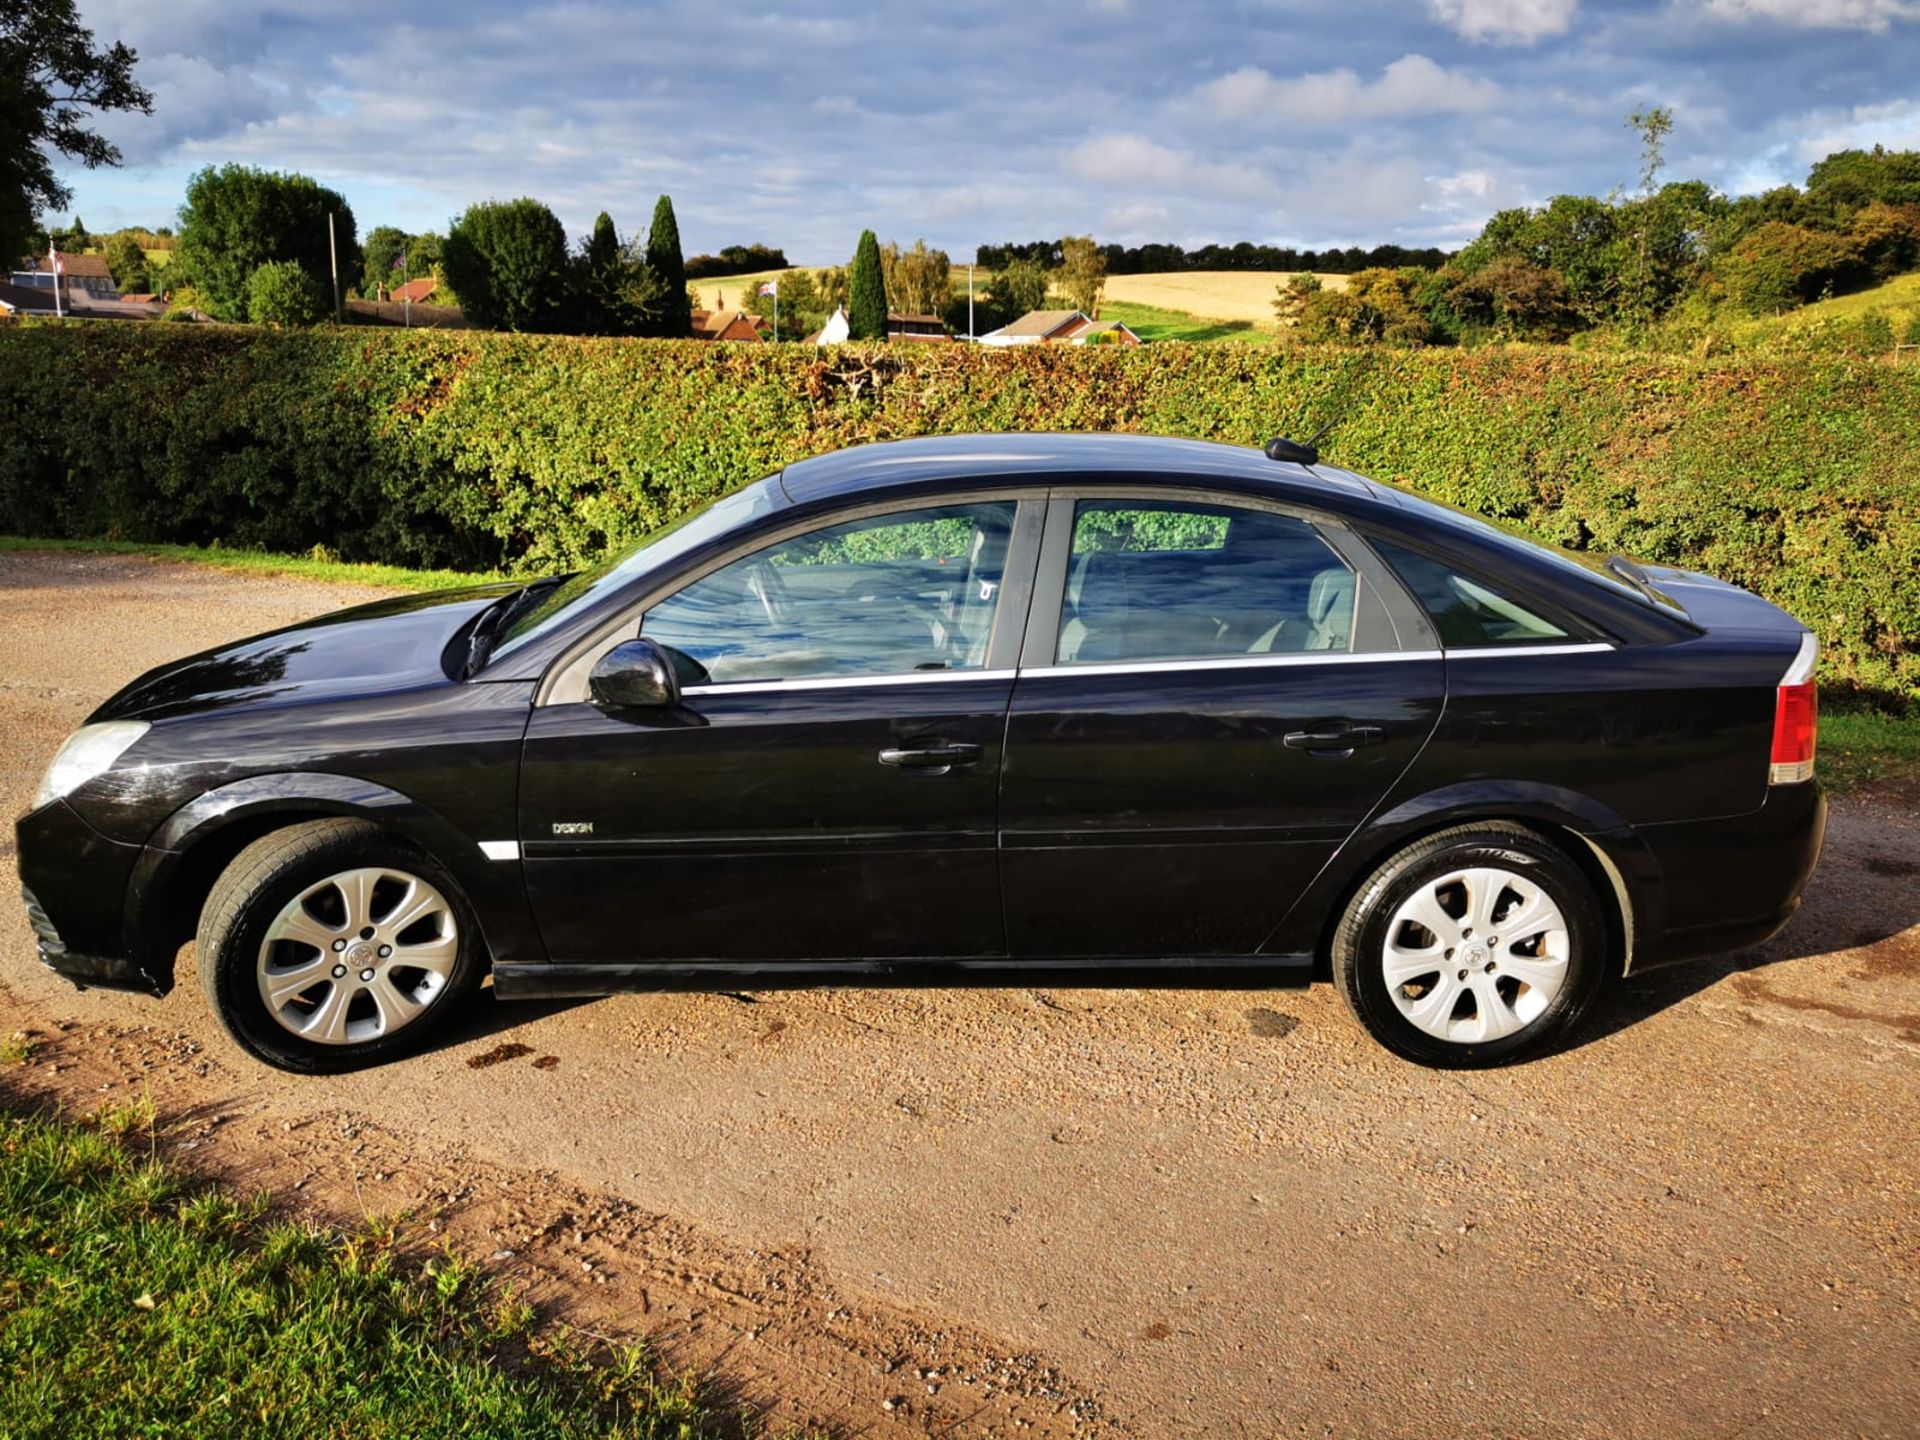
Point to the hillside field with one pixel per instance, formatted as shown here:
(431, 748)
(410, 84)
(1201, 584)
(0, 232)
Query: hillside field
(1210, 294)
(1898, 300)
(1199, 305)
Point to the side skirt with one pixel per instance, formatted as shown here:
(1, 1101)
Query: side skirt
(1239, 972)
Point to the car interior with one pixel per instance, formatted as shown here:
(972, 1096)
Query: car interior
(1252, 583)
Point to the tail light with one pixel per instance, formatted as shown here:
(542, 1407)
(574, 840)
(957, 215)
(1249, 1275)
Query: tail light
(1796, 719)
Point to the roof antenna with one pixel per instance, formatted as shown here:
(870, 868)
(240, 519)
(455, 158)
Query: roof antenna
(1306, 452)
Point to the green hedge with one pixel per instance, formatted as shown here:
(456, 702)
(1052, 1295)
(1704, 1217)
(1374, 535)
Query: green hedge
(1800, 479)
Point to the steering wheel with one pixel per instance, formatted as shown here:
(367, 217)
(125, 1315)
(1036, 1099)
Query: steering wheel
(765, 584)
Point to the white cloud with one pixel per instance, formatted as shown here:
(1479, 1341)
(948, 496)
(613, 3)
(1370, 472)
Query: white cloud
(1411, 85)
(1817, 14)
(1895, 125)
(1507, 22)
(1134, 160)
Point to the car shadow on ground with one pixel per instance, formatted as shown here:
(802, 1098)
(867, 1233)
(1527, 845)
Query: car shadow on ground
(1860, 907)
(485, 1016)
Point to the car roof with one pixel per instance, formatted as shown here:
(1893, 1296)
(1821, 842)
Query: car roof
(909, 464)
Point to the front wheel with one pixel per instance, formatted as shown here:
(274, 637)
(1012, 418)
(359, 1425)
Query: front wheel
(1476, 946)
(333, 945)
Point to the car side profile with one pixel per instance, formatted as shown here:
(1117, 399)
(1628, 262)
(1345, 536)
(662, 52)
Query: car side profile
(1078, 709)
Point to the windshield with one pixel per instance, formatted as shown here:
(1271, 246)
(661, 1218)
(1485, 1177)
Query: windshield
(659, 549)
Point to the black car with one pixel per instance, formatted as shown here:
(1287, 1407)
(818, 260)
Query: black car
(1036, 709)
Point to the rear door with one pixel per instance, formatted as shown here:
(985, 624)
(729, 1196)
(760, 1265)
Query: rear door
(1213, 694)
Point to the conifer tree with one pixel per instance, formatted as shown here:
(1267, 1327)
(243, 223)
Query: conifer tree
(867, 292)
(670, 269)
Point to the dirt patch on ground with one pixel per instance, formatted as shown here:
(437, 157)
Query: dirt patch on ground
(1132, 1211)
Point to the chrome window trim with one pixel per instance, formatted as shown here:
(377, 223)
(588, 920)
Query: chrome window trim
(845, 682)
(1234, 662)
(1501, 652)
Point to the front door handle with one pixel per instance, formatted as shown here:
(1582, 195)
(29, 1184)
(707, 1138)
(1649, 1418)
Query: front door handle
(1334, 740)
(935, 755)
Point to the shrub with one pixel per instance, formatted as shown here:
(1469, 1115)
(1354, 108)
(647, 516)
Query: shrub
(1777, 266)
(1799, 479)
(281, 293)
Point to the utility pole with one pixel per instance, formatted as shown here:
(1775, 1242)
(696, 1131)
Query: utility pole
(53, 263)
(333, 257)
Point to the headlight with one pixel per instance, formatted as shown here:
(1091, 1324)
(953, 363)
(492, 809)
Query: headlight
(89, 751)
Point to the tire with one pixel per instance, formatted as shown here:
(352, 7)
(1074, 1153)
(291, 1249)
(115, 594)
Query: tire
(387, 944)
(1483, 1000)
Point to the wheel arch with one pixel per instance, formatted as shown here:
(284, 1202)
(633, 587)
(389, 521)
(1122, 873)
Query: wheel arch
(185, 857)
(1616, 861)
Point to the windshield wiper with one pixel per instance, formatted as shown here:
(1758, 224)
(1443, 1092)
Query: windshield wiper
(493, 623)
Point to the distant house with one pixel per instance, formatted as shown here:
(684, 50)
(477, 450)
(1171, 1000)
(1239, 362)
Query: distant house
(414, 292)
(729, 325)
(834, 332)
(917, 327)
(910, 328)
(394, 312)
(1060, 327)
(81, 276)
(25, 300)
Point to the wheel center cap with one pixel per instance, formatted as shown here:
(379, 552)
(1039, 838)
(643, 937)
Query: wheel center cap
(361, 954)
(1476, 953)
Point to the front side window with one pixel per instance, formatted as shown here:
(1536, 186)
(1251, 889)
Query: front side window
(1171, 580)
(890, 594)
(1468, 613)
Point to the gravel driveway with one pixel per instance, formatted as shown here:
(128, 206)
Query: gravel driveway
(1122, 1211)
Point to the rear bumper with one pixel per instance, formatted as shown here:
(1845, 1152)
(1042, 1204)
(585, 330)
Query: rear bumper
(74, 882)
(1735, 881)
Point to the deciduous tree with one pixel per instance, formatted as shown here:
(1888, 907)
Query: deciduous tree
(507, 261)
(918, 281)
(53, 82)
(1019, 286)
(237, 219)
(1082, 275)
(128, 262)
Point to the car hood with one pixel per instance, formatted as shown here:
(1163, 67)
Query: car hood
(388, 645)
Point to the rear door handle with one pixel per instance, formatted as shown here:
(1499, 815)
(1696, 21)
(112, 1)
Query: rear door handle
(936, 756)
(1334, 740)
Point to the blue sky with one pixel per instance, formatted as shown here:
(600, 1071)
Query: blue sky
(798, 123)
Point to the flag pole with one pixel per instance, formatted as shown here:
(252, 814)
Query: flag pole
(333, 258)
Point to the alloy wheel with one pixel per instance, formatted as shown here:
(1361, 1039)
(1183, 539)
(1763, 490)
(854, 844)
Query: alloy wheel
(357, 956)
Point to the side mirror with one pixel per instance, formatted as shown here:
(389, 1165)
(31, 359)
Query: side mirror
(636, 674)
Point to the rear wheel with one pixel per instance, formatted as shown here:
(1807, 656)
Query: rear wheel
(334, 945)
(1476, 946)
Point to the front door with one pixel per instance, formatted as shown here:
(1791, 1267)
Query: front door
(1214, 704)
(828, 788)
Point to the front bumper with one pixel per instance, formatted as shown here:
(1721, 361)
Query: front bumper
(74, 882)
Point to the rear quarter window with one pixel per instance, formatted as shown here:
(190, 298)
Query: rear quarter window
(1468, 612)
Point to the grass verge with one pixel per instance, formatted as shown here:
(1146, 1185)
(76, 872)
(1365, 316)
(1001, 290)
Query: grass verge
(133, 1302)
(1859, 747)
(261, 562)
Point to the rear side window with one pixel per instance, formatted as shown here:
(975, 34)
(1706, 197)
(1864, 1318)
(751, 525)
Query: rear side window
(1467, 612)
(1152, 580)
